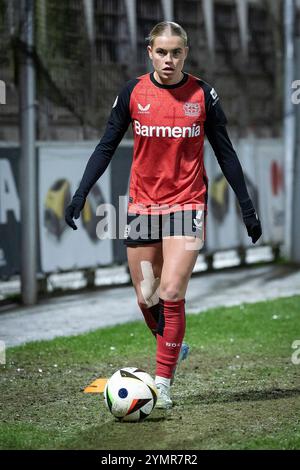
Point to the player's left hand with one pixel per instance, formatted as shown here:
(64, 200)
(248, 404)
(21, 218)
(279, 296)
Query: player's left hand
(73, 210)
(253, 226)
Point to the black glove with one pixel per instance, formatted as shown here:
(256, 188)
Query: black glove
(251, 220)
(74, 209)
(253, 226)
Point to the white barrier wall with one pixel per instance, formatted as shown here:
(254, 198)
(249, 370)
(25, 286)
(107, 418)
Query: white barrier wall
(262, 161)
(61, 167)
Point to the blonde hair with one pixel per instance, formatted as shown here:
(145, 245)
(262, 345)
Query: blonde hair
(160, 28)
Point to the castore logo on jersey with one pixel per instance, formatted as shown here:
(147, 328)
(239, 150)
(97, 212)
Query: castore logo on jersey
(144, 109)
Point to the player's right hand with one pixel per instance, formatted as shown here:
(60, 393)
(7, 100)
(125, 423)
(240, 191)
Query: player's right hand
(73, 210)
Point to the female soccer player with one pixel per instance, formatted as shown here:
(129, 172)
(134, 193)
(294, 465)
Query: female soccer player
(170, 112)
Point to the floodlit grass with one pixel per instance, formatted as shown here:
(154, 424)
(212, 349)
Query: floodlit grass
(239, 389)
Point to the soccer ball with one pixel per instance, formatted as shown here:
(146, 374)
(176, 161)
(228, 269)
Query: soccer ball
(130, 394)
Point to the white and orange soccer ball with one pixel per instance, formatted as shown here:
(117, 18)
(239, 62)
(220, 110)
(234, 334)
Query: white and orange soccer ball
(130, 394)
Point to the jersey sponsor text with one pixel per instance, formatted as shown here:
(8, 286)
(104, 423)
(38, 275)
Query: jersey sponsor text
(166, 131)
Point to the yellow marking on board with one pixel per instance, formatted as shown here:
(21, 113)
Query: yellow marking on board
(97, 386)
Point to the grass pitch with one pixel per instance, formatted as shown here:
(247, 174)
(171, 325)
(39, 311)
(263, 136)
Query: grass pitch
(239, 389)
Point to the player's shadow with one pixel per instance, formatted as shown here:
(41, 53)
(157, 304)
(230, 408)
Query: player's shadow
(157, 416)
(232, 397)
(154, 418)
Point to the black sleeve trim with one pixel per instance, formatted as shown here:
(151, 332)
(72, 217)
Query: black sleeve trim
(228, 161)
(215, 130)
(116, 127)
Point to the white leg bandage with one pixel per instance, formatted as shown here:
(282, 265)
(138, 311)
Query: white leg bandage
(149, 284)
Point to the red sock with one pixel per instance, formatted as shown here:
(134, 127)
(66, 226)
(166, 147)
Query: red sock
(170, 333)
(151, 315)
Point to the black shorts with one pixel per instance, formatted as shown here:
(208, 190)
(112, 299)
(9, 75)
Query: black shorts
(143, 229)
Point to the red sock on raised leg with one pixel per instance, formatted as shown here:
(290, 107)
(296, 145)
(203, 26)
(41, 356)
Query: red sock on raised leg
(170, 334)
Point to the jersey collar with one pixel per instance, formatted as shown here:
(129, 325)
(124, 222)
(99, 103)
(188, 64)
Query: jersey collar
(175, 85)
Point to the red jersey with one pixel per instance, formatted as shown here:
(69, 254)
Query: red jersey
(168, 127)
(169, 123)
